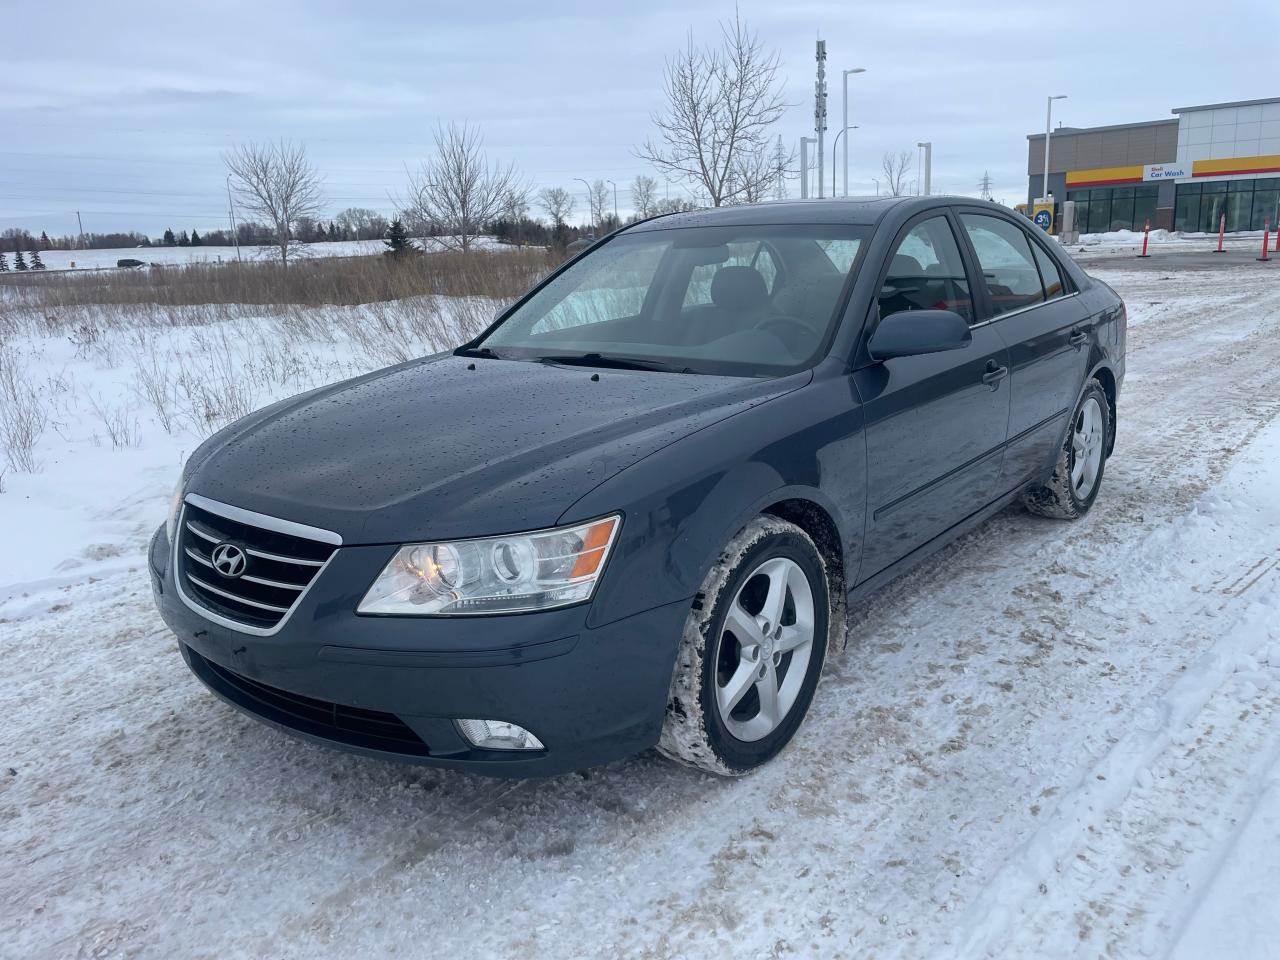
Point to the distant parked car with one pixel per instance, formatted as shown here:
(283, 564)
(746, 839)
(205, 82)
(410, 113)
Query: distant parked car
(129, 262)
(629, 513)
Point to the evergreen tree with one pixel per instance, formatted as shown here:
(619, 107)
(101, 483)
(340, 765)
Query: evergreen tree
(195, 239)
(19, 262)
(4, 263)
(169, 239)
(36, 262)
(44, 241)
(183, 239)
(398, 242)
(333, 230)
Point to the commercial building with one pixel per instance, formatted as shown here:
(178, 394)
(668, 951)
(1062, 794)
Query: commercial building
(1183, 174)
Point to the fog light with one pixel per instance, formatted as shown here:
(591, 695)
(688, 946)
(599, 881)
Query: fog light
(498, 735)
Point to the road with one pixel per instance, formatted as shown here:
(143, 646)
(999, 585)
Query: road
(1042, 742)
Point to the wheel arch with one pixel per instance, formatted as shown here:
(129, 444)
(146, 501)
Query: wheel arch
(814, 519)
(1106, 376)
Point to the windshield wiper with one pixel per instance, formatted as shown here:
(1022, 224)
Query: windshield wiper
(613, 362)
(485, 352)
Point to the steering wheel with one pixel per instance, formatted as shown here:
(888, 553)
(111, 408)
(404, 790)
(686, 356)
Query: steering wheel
(787, 329)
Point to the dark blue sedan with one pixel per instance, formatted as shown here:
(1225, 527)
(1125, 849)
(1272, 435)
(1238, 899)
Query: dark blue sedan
(632, 512)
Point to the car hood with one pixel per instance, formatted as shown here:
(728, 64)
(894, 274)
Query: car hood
(448, 447)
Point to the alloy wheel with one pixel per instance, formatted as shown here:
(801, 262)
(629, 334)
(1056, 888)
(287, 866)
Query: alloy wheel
(764, 649)
(1086, 448)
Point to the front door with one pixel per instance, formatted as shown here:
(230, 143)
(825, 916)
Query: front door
(935, 424)
(1047, 335)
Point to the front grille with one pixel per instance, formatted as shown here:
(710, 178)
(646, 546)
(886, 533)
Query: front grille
(371, 729)
(278, 567)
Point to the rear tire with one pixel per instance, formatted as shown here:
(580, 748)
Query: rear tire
(753, 648)
(1077, 476)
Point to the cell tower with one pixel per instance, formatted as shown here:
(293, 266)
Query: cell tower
(985, 185)
(820, 105)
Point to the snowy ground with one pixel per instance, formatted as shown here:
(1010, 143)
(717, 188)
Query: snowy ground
(1127, 242)
(1051, 740)
(93, 259)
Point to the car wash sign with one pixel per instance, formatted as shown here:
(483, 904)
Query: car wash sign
(1165, 171)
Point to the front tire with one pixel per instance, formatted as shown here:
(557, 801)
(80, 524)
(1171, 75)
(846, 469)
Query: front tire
(1077, 476)
(752, 650)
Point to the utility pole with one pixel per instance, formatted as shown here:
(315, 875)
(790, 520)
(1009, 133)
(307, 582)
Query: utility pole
(616, 222)
(804, 167)
(844, 127)
(927, 146)
(81, 223)
(231, 214)
(820, 104)
(985, 185)
(1048, 131)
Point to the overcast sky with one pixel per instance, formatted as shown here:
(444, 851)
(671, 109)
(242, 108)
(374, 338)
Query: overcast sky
(122, 110)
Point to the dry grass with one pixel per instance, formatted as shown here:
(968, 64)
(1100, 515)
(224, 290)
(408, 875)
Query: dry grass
(206, 344)
(500, 275)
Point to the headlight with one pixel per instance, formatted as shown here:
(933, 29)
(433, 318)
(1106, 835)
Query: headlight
(175, 502)
(528, 571)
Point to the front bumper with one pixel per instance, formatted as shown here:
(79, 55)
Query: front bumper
(393, 686)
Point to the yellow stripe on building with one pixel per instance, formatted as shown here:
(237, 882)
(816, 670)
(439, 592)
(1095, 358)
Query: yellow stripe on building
(1231, 165)
(1104, 175)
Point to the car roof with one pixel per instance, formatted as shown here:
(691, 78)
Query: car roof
(855, 210)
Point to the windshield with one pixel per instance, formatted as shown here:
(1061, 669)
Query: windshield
(740, 300)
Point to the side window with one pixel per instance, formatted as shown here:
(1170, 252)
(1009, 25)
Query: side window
(1049, 273)
(1004, 254)
(612, 285)
(926, 272)
(840, 252)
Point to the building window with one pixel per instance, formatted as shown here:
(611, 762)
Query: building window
(1265, 206)
(1114, 208)
(1186, 207)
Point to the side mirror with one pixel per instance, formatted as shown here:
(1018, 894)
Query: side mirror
(911, 333)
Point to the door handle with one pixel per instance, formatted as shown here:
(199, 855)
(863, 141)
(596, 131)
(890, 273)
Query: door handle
(994, 375)
(1079, 338)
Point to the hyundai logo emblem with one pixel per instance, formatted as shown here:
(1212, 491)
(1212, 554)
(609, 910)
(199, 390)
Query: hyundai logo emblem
(228, 559)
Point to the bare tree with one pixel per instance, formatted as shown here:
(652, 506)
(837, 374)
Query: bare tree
(721, 102)
(598, 198)
(362, 223)
(459, 191)
(644, 194)
(278, 183)
(896, 168)
(558, 202)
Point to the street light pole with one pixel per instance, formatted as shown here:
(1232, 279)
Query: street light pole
(843, 128)
(590, 211)
(927, 146)
(616, 222)
(834, 144)
(1048, 132)
(804, 167)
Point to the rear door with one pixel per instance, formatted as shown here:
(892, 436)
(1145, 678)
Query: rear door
(1030, 302)
(935, 424)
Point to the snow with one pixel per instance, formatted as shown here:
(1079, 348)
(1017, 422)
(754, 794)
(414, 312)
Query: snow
(1051, 739)
(169, 256)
